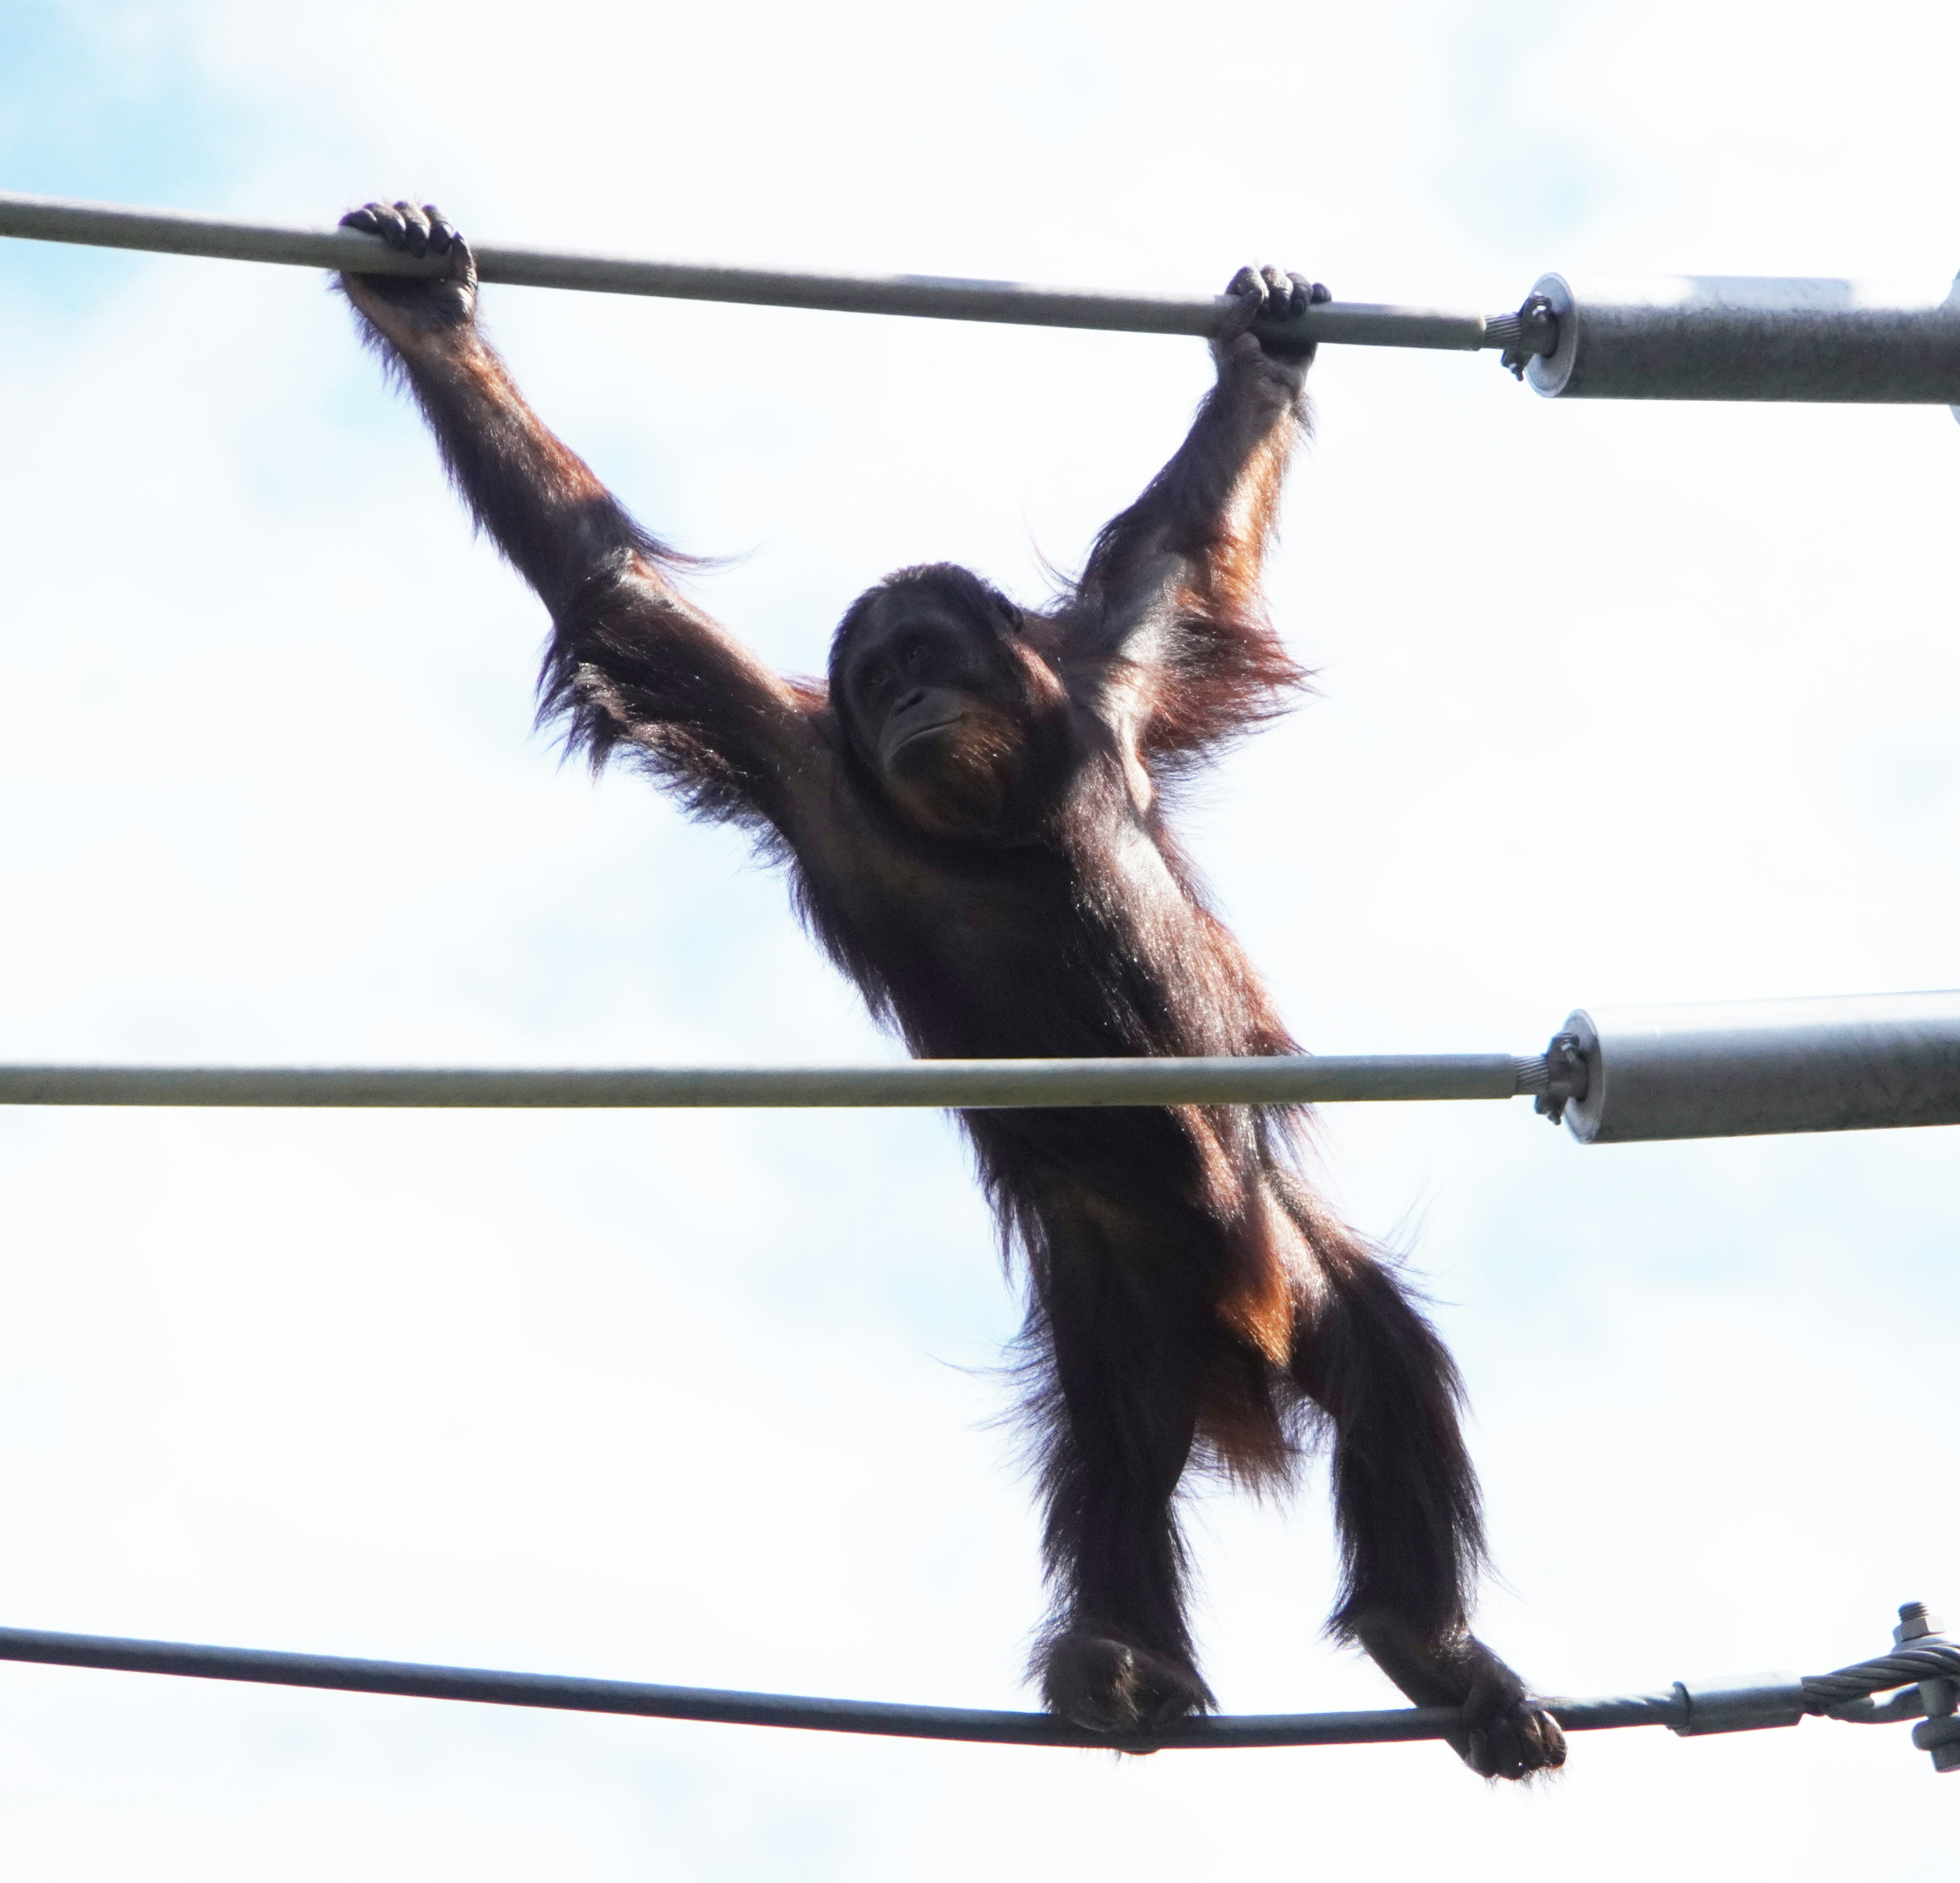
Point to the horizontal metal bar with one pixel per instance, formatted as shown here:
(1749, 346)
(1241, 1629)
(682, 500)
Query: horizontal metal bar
(966, 1084)
(1867, 1062)
(932, 298)
(572, 1694)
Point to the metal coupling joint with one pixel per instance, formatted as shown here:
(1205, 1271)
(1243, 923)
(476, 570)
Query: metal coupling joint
(1568, 1077)
(1530, 333)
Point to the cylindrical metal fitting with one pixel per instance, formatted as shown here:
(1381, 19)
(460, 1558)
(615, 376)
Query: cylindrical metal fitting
(1743, 1705)
(1744, 1068)
(1752, 337)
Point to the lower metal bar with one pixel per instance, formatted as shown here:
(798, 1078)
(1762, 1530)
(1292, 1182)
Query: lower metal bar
(972, 1084)
(170, 232)
(569, 1694)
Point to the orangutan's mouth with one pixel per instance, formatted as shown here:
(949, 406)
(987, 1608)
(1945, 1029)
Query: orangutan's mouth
(918, 733)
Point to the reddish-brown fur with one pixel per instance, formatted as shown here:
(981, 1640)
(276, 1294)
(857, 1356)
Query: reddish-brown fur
(1016, 892)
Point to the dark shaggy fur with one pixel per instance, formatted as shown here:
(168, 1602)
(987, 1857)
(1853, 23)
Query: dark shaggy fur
(1189, 1296)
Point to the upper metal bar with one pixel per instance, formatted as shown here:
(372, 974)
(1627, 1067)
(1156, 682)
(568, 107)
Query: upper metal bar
(171, 232)
(571, 1693)
(969, 1084)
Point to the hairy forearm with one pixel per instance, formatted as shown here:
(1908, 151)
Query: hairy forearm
(1208, 512)
(538, 500)
(1223, 484)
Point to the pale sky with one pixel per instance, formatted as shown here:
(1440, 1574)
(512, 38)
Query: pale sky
(1617, 703)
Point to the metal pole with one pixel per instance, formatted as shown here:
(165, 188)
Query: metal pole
(973, 1084)
(571, 1693)
(1732, 1070)
(1703, 337)
(170, 232)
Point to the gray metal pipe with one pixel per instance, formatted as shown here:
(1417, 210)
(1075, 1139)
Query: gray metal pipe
(1743, 337)
(1745, 1068)
(1702, 337)
(969, 1084)
(1734, 1069)
(170, 232)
